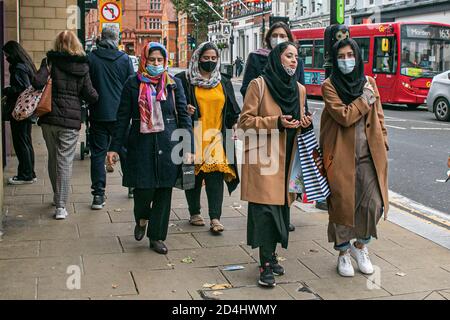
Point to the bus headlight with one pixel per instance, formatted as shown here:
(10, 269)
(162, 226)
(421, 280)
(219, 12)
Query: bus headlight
(407, 85)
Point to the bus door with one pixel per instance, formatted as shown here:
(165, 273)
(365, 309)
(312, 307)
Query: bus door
(385, 66)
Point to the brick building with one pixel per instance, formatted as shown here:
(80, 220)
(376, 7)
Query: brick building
(141, 23)
(185, 26)
(169, 26)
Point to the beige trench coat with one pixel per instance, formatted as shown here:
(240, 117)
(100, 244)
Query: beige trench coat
(337, 140)
(263, 179)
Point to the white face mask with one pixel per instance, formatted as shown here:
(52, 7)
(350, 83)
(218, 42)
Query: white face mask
(276, 41)
(289, 70)
(346, 65)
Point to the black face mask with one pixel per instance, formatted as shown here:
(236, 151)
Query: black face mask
(10, 60)
(208, 66)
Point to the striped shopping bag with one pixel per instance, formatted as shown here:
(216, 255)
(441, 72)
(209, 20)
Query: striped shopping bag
(314, 179)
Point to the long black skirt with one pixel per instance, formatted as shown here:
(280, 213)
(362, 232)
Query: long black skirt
(267, 225)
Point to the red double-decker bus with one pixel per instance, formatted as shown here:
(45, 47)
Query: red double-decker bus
(402, 57)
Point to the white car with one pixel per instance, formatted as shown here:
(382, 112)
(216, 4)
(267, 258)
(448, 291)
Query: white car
(135, 61)
(438, 100)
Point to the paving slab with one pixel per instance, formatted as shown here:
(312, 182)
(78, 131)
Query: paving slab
(18, 249)
(210, 257)
(173, 242)
(176, 283)
(37, 267)
(249, 293)
(416, 280)
(11, 200)
(79, 247)
(435, 296)
(98, 284)
(416, 258)
(445, 294)
(409, 296)
(64, 231)
(92, 218)
(106, 229)
(125, 262)
(18, 288)
(355, 288)
(299, 291)
(227, 238)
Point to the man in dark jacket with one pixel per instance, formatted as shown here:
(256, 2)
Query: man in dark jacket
(109, 69)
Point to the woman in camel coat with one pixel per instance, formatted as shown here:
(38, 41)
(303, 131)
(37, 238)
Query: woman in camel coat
(354, 143)
(272, 114)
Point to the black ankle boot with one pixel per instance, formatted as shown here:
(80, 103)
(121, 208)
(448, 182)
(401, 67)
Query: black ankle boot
(266, 278)
(139, 232)
(277, 269)
(158, 246)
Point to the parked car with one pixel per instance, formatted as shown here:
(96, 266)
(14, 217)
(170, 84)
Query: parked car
(439, 96)
(135, 61)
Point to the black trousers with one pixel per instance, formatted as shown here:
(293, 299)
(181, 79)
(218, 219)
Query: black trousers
(214, 192)
(21, 136)
(153, 205)
(100, 133)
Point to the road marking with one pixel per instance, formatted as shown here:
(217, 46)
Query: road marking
(416, 128)
(396, 120)
(394, 127)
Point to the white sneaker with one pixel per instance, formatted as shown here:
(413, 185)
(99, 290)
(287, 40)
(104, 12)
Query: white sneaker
(345, 267)
(61, 213)
(17, 181)
(362, 258)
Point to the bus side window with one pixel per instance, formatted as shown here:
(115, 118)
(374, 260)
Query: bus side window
(364, 45)
(305, 52)
(385, 55)
(318, 54)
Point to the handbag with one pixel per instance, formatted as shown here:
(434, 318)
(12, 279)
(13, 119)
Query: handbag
(311, 160)
(26, 103)
(45, 104)
(186, 173)
(186, 177)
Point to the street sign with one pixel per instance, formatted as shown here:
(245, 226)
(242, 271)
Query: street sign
(226, 29)
(110, 13)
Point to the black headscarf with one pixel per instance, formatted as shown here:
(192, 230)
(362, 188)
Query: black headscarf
(282, 87)
(348, 86)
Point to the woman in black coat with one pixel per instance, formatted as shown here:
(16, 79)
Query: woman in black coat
(21, 71)
(68, 67)
(212, 103)
(155, 104)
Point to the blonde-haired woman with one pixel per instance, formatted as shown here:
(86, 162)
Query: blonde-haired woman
(68, 66)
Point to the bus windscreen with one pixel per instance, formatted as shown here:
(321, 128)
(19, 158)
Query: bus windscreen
(425, 50)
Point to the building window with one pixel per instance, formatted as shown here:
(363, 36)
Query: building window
(313, 6)
(155, 5)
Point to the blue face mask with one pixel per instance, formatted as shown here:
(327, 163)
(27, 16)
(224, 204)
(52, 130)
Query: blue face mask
(346, 65)
(155, 70)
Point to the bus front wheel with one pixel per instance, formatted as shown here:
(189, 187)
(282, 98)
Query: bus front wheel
(412, 106)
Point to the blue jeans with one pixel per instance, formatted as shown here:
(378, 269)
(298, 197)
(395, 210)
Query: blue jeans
(346, 245)
(100, 134)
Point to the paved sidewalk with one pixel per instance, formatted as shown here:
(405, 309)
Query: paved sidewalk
(40, 257)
